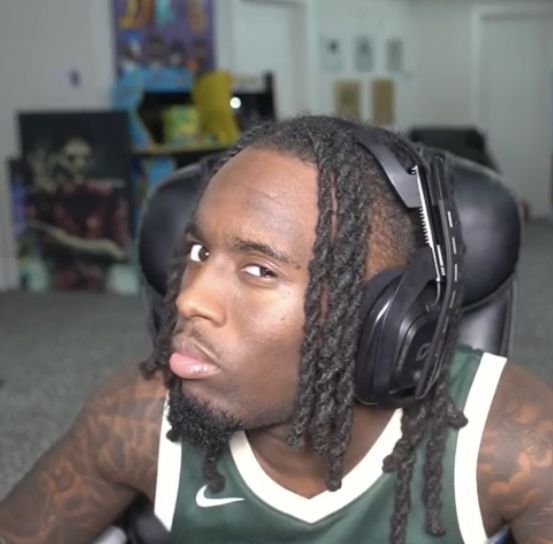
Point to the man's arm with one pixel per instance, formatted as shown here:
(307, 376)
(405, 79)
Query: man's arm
(515, 465)
(95, 246)
(83, 482)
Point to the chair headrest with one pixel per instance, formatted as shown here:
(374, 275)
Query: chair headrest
(164, 219)
(489, 216)
(491, 228)
(448, 137)
(467, 142)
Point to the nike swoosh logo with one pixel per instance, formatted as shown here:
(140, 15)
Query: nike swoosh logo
(206, 502)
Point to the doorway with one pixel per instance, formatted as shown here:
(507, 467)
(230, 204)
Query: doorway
(515, 101)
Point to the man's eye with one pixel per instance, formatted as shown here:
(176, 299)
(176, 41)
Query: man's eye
(197, 253)
(259, 271)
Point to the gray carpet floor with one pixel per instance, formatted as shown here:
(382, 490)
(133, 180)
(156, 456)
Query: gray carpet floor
(56, 347)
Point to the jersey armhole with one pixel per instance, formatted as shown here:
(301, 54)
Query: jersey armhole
(477, 407)
(168, 473)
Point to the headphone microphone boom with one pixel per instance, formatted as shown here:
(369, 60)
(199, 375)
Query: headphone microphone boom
(405, 313)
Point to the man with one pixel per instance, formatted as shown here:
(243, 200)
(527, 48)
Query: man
(264, 439)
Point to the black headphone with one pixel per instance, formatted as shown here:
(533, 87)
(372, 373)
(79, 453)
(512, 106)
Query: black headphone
(405, 313)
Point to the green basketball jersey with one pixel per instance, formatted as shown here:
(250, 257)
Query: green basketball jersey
(253, 508)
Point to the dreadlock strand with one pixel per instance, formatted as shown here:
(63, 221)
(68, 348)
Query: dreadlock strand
(310, 349)
(444, 415)
(402, 501)
(215, 480)
(353, 206)
(432, 470)
(333, 361)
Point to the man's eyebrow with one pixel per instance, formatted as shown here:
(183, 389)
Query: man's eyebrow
(242, 244)
(194, 230)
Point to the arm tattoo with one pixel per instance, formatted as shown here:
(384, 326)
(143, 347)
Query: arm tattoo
(515, 468)
(84, 481)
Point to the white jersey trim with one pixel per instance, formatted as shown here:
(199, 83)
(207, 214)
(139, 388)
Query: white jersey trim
(311, 510)
(168, 474)
(477, 407)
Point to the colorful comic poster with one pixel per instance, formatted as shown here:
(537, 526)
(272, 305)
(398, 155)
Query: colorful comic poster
(163, 44)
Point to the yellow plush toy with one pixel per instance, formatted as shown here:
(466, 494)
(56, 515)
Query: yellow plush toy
(212, 94)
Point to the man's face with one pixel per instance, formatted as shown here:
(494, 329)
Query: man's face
(76, 158)
(241, 314)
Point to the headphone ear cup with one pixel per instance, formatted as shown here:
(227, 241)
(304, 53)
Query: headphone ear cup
(377, 296)
(394, 357)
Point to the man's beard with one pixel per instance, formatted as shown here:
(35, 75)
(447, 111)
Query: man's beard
(198, 424)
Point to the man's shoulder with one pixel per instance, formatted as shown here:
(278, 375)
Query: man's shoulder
(521, 413)
(515, 463)
(122, 419)
(126, 396)
(129, 383)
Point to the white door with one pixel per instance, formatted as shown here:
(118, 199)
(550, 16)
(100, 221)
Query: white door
(269, 37)
(515, 103)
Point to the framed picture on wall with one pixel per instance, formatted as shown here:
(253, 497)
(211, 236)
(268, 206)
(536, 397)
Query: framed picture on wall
(332, 54)
(383, 101)
(395, 61)
(347, 98)
(77, 172)
(363, 54)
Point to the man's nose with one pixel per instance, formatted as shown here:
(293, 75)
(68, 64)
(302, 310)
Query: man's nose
(201, 296)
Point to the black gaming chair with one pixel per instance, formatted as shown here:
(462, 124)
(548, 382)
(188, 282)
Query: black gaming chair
(491, 229)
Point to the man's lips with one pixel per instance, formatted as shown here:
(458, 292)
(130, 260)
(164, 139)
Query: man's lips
(189, 362)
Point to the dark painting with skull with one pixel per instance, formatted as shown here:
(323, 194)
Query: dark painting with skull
(78, 194)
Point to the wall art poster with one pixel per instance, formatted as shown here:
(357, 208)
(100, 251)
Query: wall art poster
(163, 45)
(78, 194)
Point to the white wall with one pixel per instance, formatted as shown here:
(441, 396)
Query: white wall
(248, 37)
(40, 42)
(440, 84)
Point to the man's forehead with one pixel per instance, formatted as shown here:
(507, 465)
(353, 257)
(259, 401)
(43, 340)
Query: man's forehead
(267, 165)
(266, 177)
(262, 193)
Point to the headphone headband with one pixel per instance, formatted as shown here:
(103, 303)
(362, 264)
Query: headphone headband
(403, 181)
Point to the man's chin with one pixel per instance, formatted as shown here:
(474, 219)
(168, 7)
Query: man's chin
(198, 421)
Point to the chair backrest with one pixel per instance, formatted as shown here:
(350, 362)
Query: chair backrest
(490, 223)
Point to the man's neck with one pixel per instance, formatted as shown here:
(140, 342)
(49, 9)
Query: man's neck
(303, 471)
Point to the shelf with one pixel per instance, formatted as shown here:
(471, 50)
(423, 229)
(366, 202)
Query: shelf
(167, 149)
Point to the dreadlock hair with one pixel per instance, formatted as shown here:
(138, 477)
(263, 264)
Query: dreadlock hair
(359, 217)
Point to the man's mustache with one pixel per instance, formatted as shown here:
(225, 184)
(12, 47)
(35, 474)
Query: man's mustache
(186, 330)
